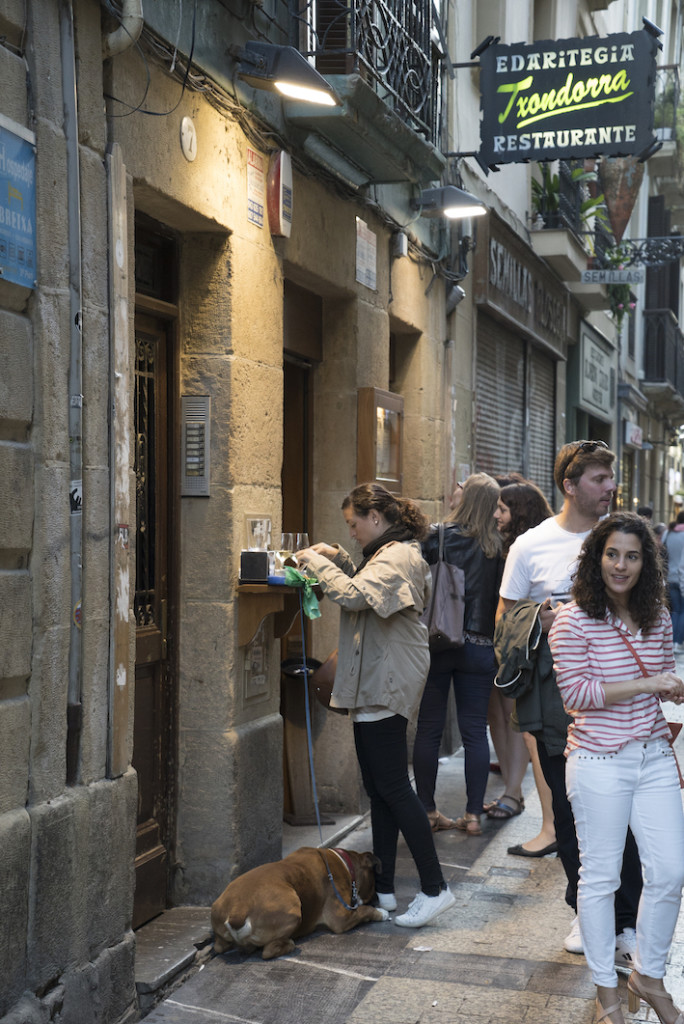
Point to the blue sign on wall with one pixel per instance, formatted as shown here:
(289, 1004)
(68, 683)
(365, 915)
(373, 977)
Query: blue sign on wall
(17, 206)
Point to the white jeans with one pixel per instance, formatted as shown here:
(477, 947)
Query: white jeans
(636, 786)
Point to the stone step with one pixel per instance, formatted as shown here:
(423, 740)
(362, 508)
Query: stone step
(167, 949)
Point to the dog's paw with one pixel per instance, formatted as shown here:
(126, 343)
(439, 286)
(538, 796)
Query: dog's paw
(381, 915)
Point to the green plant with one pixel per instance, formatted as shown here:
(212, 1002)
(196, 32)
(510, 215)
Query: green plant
(546, 195)
(620, 297)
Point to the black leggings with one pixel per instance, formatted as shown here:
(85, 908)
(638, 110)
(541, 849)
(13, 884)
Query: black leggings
(395, 807)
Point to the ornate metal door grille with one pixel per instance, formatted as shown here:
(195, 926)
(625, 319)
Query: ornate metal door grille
(145, 480)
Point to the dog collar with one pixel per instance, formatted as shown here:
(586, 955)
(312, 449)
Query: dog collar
(349, 864)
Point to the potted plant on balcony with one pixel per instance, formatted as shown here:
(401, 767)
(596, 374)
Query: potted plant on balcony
(546, 197)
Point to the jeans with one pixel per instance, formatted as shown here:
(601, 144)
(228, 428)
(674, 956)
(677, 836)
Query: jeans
(471, 670)
(637, 786)
(676, 612)
(629, 892)
(383, 759)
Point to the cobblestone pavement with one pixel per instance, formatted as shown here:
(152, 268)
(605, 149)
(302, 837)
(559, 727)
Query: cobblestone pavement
(496, 957)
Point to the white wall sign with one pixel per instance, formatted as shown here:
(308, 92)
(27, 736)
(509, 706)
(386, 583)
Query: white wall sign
(597, 375)
(633, 435)
(366, 255)
(256, 187)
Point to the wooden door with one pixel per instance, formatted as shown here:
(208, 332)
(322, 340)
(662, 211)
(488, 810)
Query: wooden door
(154, 702)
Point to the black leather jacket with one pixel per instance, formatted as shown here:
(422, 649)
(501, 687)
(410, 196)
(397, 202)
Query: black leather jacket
(482, 575)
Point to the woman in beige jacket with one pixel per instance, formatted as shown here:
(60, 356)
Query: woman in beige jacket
(382, 665)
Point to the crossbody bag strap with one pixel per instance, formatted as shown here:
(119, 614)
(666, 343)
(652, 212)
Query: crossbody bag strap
(644, 673)
(632, 650)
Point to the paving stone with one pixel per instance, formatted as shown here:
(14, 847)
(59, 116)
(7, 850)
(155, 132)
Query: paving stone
(496, 957)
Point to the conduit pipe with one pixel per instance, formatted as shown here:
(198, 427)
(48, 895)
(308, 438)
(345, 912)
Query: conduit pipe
(128, 32)
(75, 385)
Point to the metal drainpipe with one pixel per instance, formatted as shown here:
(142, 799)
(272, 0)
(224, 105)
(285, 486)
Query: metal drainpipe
(74, 703)
(129, 30)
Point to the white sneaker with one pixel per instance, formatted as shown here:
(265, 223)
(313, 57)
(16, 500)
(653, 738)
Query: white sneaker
(625, 949)
(573, 940)
(386, 900)
(423, 909)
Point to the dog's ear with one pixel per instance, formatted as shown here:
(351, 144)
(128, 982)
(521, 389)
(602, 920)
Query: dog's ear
(369, 860)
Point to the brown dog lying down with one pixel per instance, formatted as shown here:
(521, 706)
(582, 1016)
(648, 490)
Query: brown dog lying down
(273, 904)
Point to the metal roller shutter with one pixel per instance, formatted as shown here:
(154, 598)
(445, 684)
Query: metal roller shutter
(541, 432)
(515, 406)
(499, 399)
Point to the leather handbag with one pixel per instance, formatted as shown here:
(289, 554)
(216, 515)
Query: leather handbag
(322, 681)
(445, 613)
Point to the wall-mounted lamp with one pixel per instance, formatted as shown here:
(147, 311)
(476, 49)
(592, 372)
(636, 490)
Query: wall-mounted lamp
(448, 201)
(283, 69)
(454, 296)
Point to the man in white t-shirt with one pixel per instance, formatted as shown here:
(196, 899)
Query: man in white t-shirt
(539, 567)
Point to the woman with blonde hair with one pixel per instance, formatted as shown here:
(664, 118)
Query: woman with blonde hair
(471, 541)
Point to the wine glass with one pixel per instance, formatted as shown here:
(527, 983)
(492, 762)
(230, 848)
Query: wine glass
(284, 552)
(301, 541)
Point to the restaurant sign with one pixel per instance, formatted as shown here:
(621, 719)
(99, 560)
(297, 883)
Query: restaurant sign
(567, 99)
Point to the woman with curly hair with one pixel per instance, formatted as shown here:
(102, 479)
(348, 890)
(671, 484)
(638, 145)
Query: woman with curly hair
(614, 663)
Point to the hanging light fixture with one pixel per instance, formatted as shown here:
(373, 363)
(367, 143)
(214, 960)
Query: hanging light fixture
(285, 70)
(448, 201)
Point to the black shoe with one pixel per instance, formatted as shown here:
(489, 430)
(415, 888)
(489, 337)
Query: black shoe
(520, 851)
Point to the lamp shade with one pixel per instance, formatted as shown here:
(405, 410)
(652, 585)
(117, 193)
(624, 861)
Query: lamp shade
(285, 70)
(448, 201)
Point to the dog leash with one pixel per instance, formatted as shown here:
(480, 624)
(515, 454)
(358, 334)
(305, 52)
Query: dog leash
(356, 902)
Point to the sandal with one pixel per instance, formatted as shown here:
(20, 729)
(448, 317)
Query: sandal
(470, 824)
(607, 1015)
(502, 811)
(439, 822)
(637, 991)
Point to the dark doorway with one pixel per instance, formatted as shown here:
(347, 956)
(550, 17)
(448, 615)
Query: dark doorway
(302, 343)
(154, 735)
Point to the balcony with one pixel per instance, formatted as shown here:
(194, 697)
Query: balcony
(663, 380)
(668, 124)
(379, 58)
(564, 211)
(388, 44)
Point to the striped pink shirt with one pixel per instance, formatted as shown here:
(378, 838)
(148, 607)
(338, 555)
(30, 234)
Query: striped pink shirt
(589, 655)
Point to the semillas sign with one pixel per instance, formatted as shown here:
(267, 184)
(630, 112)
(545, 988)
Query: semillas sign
(567, 99)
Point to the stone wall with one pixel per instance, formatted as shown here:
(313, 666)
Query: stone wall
(66, 874)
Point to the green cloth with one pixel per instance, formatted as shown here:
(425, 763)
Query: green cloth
(295, 578)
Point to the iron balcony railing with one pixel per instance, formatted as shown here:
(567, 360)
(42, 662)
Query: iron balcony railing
(666, 108)
(563, 207)
(603, 243)
(663, 349)
(388, 43)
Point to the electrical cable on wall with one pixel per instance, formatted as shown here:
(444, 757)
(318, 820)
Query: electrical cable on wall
(262, 136)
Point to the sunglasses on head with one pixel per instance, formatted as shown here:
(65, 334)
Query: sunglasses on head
(584, 448)
(589, 446)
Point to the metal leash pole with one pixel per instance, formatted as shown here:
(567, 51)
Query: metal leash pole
(356, 902)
